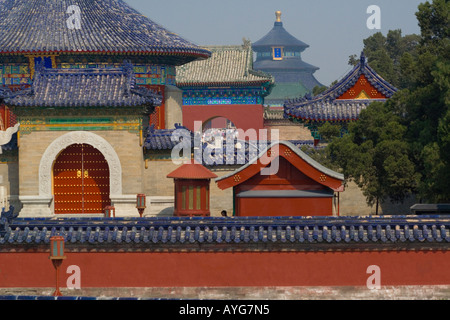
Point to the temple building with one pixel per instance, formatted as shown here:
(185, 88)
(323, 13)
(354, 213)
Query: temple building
(84, 80)
(224, 91)
(285, 180)
(280, 54)
(91, 117)
(342, 102)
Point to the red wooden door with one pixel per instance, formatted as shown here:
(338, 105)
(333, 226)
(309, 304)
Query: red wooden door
(81, 181)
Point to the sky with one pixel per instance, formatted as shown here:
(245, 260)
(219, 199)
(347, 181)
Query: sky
(334, 29)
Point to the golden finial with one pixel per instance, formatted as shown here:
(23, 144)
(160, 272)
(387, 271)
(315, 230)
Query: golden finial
(278, 15)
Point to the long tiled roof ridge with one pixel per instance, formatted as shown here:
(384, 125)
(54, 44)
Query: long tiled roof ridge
(44, 26)
(403, 231)
(84, 88)
(227, 65)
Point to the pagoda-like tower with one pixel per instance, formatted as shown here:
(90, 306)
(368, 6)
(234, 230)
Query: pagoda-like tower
(84, 79)
(280, 54)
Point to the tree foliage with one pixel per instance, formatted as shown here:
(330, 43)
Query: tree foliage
(403, 145)
(375, 155)
(391, 56)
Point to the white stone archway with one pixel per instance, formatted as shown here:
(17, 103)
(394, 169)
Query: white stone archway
(78, 137)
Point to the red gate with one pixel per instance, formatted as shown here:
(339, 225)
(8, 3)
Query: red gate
(81, 181)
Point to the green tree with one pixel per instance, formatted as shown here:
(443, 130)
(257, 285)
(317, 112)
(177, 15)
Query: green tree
(403, 146)
(375, 156)
(391, 56)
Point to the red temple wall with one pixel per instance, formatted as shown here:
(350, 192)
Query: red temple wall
(287, 177)
(265, 207)
(243, 116)
(229, 269)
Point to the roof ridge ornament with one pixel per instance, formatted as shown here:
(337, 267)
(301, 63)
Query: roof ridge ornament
(6, 218)
(278, 16)
(363, 59)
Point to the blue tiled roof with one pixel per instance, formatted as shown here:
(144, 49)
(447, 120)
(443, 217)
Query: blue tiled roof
(45, 26)
(4, 93)
(162, 140)
(84, 88)
(329, 111)
(325, 107)
(278, 36)
(130, 232)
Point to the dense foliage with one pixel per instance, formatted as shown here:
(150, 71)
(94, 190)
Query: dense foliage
(402, 147)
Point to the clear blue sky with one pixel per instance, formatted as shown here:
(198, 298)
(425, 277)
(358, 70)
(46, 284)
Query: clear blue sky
(334, 29)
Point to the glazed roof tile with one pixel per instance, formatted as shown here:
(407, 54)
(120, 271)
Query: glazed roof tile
(227, 65)
(330, 111)
(302, 232)
(278, 36)
(161, 139)
(326, 107)
(84, 88)
(45, 26)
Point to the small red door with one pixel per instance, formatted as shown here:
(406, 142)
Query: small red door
(81, 181)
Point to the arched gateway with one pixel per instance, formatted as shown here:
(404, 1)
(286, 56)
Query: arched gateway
(81, 171)
(80, 181)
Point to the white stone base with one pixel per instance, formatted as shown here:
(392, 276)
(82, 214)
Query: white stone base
(125, 205)
(160, 206)
(35, 207)
(41, 207)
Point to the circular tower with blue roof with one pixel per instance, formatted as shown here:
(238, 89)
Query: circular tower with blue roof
(279, 54)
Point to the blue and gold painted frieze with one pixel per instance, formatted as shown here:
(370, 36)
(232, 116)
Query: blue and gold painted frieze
(20, 73)
(145, 74)
(221, 96)
(15, 74)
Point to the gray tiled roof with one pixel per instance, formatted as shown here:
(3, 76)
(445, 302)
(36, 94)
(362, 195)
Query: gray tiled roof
(42, 26)
(228, 64)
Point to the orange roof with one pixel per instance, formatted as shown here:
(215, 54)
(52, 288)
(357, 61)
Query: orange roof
(192, 171)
